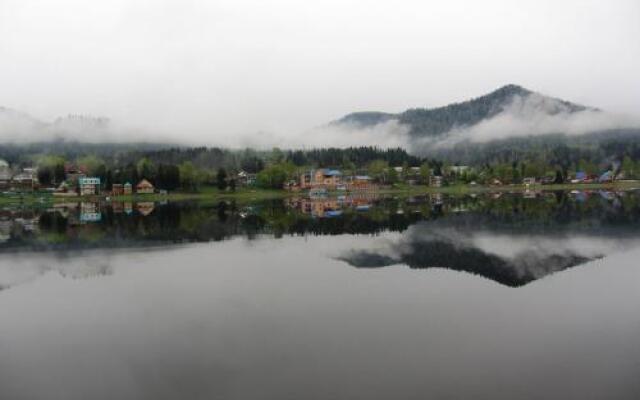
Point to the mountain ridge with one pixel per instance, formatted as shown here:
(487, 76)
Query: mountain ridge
(439, 120)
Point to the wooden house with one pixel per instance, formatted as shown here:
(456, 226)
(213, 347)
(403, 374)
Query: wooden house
(145, 187)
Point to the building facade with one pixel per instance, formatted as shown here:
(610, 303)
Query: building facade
(145, 187)
(89, 186)
(327, 178)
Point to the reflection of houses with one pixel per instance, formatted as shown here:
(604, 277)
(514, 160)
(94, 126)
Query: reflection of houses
(90, 212)
(320, 192)
(145, 208)
(5, 229)
(145, 187)
(89, 186)
(436, 199)
(323, 207)
(316, 207)
(117, 207)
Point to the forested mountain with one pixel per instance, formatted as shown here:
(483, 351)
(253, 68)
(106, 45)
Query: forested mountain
(27, 153)
(425, 122)
(511, 124)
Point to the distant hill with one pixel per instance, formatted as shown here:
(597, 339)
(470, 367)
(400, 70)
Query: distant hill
(17, 126)
(425, 122)
(505, 123)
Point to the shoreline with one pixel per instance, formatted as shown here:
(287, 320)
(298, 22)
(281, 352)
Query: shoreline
(210, 194)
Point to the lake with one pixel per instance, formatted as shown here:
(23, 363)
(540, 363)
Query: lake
(492, 296)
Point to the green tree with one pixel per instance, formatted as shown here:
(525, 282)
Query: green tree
(221, 179)
(50, 170)
(188, 176)
(92, 163)
(379, 170)
(628, 167)
(275, 175)
(146, 169)
(425, 172)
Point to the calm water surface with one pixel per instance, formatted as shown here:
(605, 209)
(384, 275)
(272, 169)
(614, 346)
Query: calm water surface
(487, 297)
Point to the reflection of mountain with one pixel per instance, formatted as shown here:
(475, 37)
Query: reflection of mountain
(516, 246)
(455, 228)
(419, 248)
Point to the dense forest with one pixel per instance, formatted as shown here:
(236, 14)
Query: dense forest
(554, 158)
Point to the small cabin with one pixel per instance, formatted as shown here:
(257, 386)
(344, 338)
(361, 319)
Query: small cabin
(145, 187)
(117, 189)
(435, 181)
(89, 186)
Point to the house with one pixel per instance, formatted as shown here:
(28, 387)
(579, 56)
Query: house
(458, 169)
(529, 181)
(606, 177)
(127, 189)
(496, 182)
(325, 177)
(5, 174)
(318, 192)
(435, 181)
(89, 186)
(360, 183)
(291, 186)
(27, 179)
(74, 172)
(580, 177)
(246, 179)
(117, 189)
(144, 187)
(65, 190)
(548, 180)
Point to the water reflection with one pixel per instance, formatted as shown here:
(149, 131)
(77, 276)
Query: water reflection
(105, 301)
(511, 238)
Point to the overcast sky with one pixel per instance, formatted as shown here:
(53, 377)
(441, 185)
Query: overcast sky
(208, 70)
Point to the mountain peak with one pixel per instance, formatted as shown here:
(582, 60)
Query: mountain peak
(513, 88)
(437, 121)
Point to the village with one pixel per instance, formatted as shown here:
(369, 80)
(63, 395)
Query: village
(75, 180)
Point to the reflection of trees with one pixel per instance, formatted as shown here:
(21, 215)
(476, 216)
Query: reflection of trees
(122, 226)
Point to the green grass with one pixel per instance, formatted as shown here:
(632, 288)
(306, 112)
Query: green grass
(40, 199)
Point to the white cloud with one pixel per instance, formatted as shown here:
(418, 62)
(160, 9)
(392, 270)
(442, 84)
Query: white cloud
(535, 115)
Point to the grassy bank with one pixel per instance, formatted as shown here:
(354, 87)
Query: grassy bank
(212, 194)
(467, 189)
